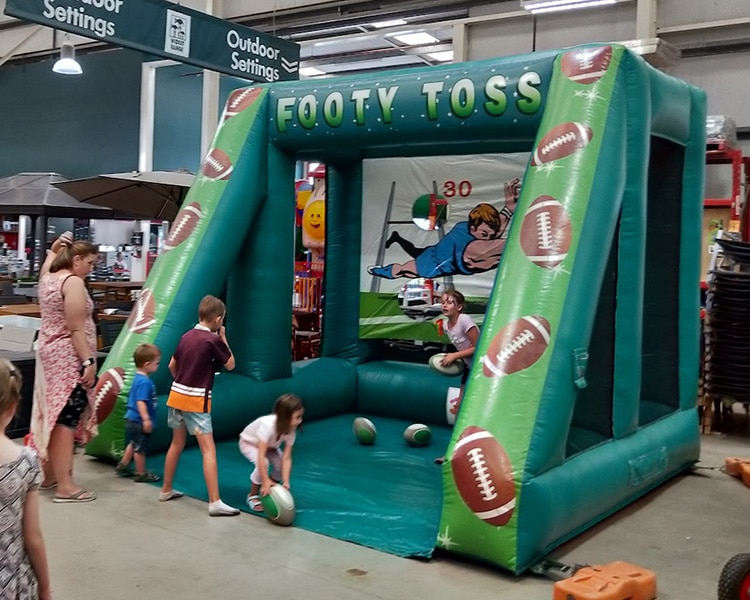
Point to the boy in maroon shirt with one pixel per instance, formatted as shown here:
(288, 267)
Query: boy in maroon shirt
(199, 354)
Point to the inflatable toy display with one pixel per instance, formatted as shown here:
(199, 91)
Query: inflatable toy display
(582, 397)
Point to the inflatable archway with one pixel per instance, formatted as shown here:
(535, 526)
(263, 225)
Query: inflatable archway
(582, 397)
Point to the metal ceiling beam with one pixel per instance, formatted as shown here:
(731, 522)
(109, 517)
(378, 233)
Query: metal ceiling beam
(12, 52)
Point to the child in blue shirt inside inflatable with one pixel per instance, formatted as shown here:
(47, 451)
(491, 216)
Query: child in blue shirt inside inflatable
(140, 414)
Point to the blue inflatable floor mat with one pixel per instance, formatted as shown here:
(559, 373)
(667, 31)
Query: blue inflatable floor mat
(386, 496)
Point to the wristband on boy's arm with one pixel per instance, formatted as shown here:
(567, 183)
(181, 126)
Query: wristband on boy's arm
(505, 211)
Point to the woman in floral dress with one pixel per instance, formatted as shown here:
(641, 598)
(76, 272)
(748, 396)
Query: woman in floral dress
(66, 356)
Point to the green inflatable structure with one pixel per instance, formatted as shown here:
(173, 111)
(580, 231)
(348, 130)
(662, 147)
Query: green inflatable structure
(582, 397)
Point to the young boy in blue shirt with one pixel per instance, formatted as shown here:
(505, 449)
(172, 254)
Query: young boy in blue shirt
(140, 414)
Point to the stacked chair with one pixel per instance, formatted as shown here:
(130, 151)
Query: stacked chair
(726, 376)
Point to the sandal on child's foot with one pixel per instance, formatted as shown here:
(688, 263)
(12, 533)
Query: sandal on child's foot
(147, 477)
(253, 501)
(124, 470)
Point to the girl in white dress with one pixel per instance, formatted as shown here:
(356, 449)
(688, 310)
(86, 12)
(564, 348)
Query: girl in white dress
(261, 443)
(23, 559)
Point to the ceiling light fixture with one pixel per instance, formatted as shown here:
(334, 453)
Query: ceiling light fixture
(446, 56)
(310, 71)
(67, 63)
(416, 39)
(391, 23)
(546, 6)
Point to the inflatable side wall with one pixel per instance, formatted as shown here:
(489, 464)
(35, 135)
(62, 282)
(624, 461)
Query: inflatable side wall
(582, 397)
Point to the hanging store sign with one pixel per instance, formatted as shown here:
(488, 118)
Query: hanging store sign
(171, 31)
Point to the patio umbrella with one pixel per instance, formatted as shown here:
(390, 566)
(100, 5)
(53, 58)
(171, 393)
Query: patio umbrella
(147, 194)
(35, 195)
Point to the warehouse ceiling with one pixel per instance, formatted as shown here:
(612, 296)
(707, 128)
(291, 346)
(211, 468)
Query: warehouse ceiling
(369, 36)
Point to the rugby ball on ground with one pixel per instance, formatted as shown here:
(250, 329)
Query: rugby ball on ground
(142, 315)
(184, 224)
(279, 505)
(484, 476)
(586, 65)
(417, 435)
(239, 100)
(561, 141)
(516, 346)
(364, 431)
(107, 388)
(545, 232)
(453, 369)
(217, 165)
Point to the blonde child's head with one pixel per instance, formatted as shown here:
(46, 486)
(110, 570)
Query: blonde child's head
(10, 386)
(211, 312)
(145, 353)
(284, 409)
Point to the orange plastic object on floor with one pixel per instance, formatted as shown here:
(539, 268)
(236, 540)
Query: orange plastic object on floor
(614, 581)
(732, 465)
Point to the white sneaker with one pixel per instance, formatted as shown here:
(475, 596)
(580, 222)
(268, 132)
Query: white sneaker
(170, 495)
(219, 509)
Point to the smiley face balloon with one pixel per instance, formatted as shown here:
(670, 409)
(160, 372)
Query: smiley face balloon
(314, 224)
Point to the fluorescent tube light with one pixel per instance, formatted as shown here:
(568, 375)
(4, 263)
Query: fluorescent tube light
(546, 6)
(391, 23)
(310, 71)
(446, 56)
(416, 39)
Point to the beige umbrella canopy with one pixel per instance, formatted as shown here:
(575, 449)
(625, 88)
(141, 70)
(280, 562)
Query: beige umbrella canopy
(35, 194)
(145, 194)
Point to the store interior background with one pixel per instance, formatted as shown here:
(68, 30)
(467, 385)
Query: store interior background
(82, 126)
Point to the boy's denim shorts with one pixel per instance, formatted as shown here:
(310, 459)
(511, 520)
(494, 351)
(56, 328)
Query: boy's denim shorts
(134, 433)
(194, 422)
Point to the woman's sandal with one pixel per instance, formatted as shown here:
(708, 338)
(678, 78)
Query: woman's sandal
(253, 501)
(78, 497)
(49, 486)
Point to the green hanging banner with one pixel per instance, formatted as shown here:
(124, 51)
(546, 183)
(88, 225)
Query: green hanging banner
(171, 31)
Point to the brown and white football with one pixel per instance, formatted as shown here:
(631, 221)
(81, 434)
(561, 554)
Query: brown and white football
(184, 224)
(239, 100)
(484, 476)
(561, 141)
(217, 165)
(516, 346)
(106, 391)
(586, 65)
(546, 232)
(142, 315)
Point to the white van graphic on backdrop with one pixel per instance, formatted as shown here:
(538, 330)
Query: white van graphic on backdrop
(177, 36)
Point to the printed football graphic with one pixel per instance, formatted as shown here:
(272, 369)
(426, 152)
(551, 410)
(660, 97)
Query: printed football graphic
(586, 65)
(561, 141)
(516, 346)
(184, 224)
(239, 100)
(484, 476)
(546, 232)
(106, 391)
(142, 315)
(217, 165)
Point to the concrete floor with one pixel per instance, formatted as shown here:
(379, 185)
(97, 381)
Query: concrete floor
(127, 545)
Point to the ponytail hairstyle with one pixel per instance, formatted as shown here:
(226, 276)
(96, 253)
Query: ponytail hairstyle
(66, 254)
(10, 385)
(284, 407)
